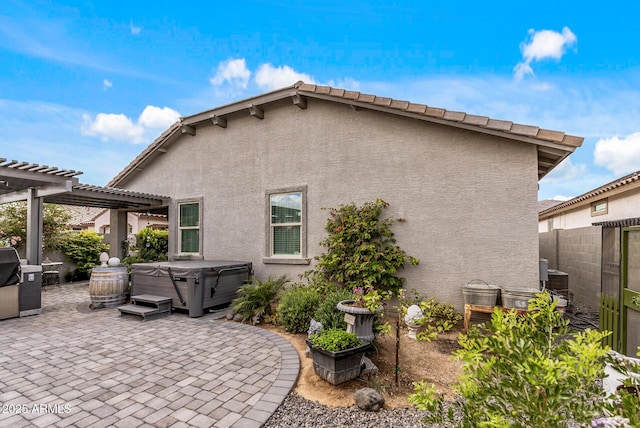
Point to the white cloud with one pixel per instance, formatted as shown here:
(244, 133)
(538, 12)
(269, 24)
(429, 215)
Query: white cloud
(135, 30)
(542, 45)
(270, 77)
(106, 84)
(233, 72)
(156, 117)
(113, 126)
(561, 198)
(121, 128)
(621, 156)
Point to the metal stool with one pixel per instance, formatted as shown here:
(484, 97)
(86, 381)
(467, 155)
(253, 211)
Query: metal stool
(51, 277)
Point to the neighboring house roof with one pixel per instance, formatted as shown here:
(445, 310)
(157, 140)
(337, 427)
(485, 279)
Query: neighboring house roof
(547, 203)
(82, 216)
(552, 146)
(624, 184)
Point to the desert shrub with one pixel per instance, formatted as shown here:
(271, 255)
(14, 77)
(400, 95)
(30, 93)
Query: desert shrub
(296, 308)
(328, 314)
(255, 298)
(523, 371)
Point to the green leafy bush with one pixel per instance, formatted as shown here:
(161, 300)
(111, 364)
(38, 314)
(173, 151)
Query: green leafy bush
(152, 245)
(438, 317)
(83, 249)
(335, 340)
(626, 403)
(523, 371)
(361, 250)
(296, 308)
(328, 314)
(254, 299)
(13, 222)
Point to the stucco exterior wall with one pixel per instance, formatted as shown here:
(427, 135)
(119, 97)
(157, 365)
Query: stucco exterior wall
(470, 200)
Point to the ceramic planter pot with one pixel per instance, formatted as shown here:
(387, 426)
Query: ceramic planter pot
(359, 320)
(338, 367)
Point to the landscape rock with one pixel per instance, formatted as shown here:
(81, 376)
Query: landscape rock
(368, 399)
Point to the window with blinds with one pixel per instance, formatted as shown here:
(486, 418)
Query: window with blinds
(286, 224)
(189, 227)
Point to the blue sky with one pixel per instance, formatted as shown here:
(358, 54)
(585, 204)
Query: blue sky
(87, 85)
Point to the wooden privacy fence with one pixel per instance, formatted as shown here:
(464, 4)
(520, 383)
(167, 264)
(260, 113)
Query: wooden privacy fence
(610, 320)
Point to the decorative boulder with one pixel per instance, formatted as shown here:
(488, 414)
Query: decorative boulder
(369, 399)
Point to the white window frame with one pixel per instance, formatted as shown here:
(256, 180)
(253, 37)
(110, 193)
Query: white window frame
(179, 228)
(272, 258)
(594, 207)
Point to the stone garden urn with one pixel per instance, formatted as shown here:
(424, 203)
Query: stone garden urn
(359, 320)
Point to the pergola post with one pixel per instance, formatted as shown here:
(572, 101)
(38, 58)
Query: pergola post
(34, 228)
(119, 231)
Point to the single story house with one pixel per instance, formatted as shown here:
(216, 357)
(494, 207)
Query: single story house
(249, 181)
(98, 220)
(595, 238)
(613, 201)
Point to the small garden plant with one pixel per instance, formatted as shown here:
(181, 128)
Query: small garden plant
(255, 298)
(438, 317)
(335, 340)
(523, 371)
(296, 308)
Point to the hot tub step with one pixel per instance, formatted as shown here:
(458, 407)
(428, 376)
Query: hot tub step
(147, 306)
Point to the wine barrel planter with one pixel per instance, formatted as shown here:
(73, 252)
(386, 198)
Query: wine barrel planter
(108, 286)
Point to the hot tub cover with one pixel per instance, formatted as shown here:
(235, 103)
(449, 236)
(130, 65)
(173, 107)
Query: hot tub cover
(188, 268)
(9, 266)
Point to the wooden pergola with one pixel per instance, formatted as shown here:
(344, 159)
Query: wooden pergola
(40, 184)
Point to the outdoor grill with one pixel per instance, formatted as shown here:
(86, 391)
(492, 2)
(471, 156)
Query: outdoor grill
(10, 276)
(20, 286)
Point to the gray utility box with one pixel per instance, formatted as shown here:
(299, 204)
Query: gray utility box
(30, 300)
(193, 285)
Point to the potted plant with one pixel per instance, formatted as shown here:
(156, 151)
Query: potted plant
(337, 355)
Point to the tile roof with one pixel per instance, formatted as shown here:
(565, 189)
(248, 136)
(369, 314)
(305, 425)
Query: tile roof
(552, 146)
(628, 182)
(448, 115)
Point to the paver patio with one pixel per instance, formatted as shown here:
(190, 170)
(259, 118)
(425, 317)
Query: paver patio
(70, 366)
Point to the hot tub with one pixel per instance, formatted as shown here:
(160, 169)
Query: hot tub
(193, 285)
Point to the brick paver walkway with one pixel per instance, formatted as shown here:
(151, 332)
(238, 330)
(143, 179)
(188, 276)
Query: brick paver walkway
(70, 366)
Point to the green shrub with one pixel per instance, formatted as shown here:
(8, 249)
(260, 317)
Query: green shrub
(254, 299)
(296, 308)
(152, 244)
(328, 314)
(523, 371)
(361, 250)
(438, 317)
(83, 249)
(335, 340)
